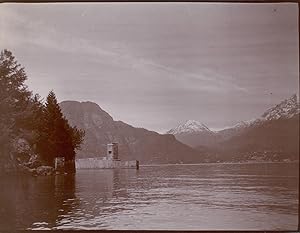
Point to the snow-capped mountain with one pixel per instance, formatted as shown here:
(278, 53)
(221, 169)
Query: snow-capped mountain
(193, 133)
(190, 126)
(236, 129)
(239, 125)
(286, 109)
(274, 136)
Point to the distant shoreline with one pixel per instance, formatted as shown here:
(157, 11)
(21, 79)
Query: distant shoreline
(191, 164)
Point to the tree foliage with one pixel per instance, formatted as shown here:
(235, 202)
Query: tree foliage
(24, 115)
(56, 138)
(15, 99)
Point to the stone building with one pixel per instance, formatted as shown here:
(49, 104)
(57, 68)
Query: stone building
(110, 161)
(112, 151)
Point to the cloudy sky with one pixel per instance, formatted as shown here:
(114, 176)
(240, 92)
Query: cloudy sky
(156, 65)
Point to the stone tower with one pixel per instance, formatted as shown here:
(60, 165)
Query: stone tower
(112, 151)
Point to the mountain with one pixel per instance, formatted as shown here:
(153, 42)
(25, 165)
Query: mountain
(234, 130)
(288, 108)
(273, 140)
(134, 143)
(285, 110)
(193, 133)
(273, 136)
(190, 126)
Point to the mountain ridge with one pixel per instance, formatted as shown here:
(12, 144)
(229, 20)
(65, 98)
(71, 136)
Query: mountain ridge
(261, 138)
(134, 143)
(286, 109)
(274, 136)
(191, 132)
(189, 126)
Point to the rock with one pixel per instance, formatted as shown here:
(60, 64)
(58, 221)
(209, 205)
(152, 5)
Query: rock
(34, 167)
(44, 170)
(33, 162)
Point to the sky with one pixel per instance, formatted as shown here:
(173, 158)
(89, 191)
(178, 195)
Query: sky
(155, 65)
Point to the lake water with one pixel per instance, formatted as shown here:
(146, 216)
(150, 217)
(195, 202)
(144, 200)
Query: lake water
(170, 197)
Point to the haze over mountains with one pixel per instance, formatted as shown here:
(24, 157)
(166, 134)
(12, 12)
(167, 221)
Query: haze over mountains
(273, 137)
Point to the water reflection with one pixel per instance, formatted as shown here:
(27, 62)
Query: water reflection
(7, 203)
(99, 193)
(40, 200)
(195, 197)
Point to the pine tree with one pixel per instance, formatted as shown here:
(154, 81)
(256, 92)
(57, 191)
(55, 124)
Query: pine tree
(24, 116)
(14, 100)
(56, 138)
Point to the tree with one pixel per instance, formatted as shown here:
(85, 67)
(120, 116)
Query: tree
(56, 138)
(14, 100)
(24, 116)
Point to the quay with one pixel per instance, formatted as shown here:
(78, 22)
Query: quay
(111, 161)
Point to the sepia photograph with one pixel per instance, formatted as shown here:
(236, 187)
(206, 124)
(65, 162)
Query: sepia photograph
(159, 116)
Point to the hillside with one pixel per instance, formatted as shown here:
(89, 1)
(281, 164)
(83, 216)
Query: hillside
(274, 136)
(134, 143)
(198, 135)
(274, 140)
